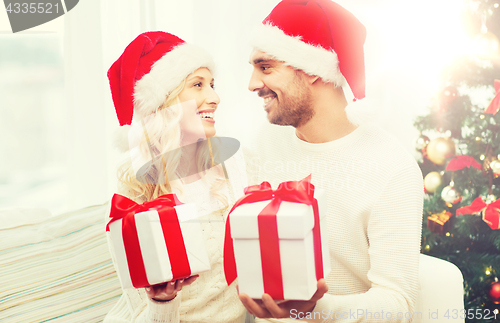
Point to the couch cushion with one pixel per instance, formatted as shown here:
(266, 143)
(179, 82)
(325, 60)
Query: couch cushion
(56, 268)
(441, 291)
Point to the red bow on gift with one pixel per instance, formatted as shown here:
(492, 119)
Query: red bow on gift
(125, 209)
(293, 191)
(495, 103)
(491, 214)
(122, 206)
(460, 162)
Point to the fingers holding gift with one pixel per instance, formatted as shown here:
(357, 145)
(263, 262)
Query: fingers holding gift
(253, 307)
(322, 290)
(268, 307)
(168, 291)
(162, 292)
(189, 280)
(277, 310)
(265, 308)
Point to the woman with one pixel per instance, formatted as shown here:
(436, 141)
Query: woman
(163, 92)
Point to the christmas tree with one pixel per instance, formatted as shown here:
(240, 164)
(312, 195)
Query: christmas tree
(461, 164)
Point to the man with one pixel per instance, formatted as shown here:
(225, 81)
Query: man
(303, 54)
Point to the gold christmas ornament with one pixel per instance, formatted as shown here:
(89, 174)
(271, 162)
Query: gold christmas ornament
(450, 196)
(486, 46)
(439, 149)
(490, 199)
(495, 168)
(432, 182)
(487, 163)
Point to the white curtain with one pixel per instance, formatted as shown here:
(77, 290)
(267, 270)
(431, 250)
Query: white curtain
(86, 99)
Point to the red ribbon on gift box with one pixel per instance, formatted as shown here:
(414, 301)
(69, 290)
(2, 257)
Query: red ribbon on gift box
(124, 208)
(293, 191)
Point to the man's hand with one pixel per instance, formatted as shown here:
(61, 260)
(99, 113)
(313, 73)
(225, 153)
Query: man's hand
(167, 291)
(268, 308)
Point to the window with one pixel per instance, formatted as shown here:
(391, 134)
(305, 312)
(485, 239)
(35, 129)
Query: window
(32, 121)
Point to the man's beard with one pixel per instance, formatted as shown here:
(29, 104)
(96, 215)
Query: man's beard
(295, 108)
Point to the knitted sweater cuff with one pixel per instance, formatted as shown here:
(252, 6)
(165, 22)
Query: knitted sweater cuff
(164, 311)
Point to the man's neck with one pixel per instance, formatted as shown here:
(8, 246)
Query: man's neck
(330, 120)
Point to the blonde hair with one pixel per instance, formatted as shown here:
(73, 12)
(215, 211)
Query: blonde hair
(162, 140)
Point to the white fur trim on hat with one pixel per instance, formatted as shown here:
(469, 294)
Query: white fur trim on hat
(313, 60)
(166, 74)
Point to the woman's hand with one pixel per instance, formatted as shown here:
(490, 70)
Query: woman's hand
(167, 291)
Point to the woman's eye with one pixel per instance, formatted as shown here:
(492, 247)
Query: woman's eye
(197, 84)
(212, 86)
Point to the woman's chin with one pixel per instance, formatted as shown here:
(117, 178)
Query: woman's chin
(209, 132)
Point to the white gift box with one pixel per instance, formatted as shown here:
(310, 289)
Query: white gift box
(295, 222)
(153, 248)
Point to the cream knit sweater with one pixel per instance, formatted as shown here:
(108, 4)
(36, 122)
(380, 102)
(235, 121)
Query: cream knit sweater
(208, 299)
(374, 198)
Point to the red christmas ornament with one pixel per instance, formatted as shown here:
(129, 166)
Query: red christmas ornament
(448, 94)
(494, 293)
(422, 142)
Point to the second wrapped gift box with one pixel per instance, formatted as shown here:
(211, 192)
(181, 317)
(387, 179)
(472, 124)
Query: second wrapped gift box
(275, 251)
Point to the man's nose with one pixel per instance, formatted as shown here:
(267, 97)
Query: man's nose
(255, 83)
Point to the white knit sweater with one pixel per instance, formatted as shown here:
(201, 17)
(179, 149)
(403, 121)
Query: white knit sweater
(208, 299)
(374, 198)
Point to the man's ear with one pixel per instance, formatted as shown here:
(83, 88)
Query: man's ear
(311, 79)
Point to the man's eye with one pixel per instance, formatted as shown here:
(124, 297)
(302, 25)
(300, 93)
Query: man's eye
(263, 68)
(212, 86)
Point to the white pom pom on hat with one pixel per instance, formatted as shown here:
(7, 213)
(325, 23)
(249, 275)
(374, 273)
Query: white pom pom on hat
(120, 138)
(362, 111)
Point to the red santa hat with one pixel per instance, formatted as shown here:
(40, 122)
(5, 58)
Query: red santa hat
(320, 38)
(151, 66)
